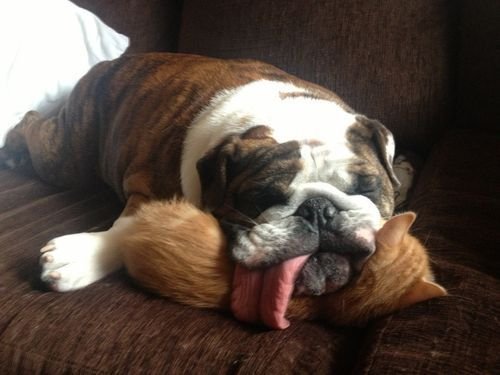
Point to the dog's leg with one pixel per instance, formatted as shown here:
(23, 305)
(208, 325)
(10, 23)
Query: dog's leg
(74, 261)
(15, 152)
(63, 153)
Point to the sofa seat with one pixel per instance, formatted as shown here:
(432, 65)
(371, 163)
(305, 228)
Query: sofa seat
(114, 327)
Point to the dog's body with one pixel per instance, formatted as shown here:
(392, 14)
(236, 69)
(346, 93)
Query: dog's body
(239, 138)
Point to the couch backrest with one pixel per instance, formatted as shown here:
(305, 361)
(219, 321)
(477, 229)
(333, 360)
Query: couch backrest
(419, 66)
(478, 80)
(389, 59)
(151, 25)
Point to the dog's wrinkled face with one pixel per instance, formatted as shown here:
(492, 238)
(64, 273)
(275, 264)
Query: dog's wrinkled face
(301, 197)
(247, 174)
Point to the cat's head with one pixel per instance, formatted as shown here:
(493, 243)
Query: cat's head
(396, 276)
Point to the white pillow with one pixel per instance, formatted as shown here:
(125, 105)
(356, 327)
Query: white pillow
(46, 46)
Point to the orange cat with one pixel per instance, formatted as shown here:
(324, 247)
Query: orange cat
(179, 252)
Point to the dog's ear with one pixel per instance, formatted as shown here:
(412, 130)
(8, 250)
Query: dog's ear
(212, 169)
(248, 173)
(383, 141)
(220, 165)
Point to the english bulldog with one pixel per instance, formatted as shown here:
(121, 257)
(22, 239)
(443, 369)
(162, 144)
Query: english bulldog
(276, 159)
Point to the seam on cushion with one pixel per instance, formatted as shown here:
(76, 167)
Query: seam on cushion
(8, 323)
(34, 202)
(25, 184)
(64, 209)
(47, 359)
(377, 345)
(15, 314)
(28, 352)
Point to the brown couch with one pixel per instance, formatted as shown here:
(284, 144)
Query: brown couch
(428, 69)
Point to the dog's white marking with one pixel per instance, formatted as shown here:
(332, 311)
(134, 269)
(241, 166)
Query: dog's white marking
(76, 260)
(302, 119)
(325, 163)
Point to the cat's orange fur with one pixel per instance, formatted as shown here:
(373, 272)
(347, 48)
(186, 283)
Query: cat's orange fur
(179, 252)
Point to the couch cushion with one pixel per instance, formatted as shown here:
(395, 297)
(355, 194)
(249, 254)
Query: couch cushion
(457, 334)
(112, 326)
(457, 200)
(389, 61)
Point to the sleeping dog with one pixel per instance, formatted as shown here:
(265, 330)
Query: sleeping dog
(257, 147)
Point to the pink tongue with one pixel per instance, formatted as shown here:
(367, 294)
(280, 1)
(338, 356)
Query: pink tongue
(263, 295)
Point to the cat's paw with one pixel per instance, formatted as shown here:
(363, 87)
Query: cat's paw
(74, 261)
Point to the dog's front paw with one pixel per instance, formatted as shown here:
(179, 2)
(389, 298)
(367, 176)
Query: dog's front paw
(74, 261)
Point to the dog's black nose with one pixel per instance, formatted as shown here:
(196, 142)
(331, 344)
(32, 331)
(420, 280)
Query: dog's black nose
(318, 211)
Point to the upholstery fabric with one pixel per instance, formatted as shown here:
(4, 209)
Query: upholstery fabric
(479, 59)
(114, 327)
(388, 61)
(151, 25)
(458, 205)
(458, 200)
(428, 69)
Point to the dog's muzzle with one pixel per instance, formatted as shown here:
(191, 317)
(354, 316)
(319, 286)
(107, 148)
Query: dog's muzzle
(323, 215)
(337, 231)
(339, 255)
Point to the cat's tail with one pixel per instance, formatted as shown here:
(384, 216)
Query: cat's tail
(176, 250)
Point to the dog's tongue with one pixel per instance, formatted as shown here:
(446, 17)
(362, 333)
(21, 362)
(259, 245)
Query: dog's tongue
(262, 295)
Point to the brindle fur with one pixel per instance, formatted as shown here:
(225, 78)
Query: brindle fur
(126, 120)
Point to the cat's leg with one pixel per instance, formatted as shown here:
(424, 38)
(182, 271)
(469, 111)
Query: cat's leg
(74, 261)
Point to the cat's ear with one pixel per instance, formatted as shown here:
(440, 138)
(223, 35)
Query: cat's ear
(394, 229)
(421, 291)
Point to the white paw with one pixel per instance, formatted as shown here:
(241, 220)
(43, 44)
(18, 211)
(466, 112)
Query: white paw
(74, 261)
